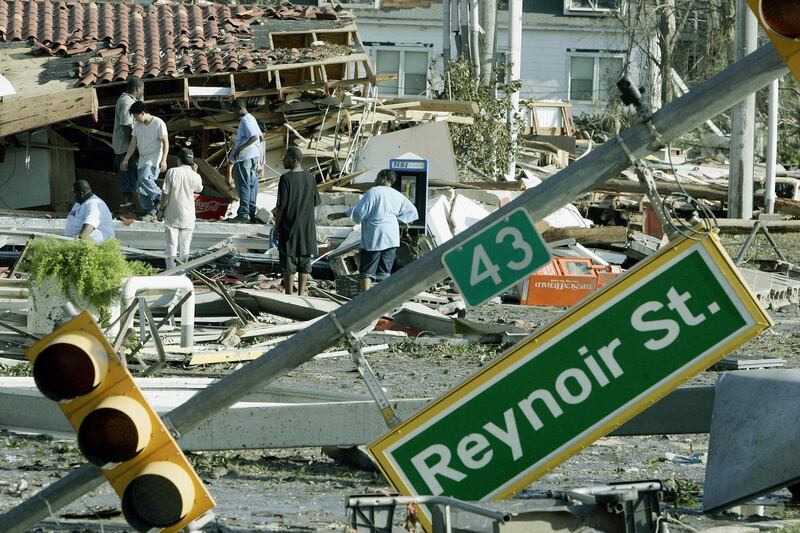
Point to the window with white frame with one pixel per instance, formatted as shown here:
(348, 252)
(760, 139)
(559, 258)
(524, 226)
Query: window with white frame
(593, 77)
(411, 67)
(589, 7)
(353, 4)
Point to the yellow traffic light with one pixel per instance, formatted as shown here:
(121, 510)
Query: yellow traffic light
(117, 430)
(781, 20)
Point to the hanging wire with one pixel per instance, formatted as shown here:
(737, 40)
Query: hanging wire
(669, 201)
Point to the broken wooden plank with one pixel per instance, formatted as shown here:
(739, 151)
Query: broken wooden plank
(452, 106)
(214, 179)
(18, 114)
(589, 236)
(738, 225)
(706, 192)
(324, 186)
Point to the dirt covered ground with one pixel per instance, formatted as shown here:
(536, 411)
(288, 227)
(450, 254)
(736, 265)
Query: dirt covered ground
(303, 490)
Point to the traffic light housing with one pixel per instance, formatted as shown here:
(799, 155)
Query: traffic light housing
(781, 20)
(117, 430)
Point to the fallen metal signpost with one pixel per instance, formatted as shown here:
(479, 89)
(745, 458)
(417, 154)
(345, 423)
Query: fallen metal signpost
(684, 114)
(603, 362)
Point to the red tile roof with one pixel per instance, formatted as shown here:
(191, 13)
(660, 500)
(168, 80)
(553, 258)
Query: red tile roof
(148, 41)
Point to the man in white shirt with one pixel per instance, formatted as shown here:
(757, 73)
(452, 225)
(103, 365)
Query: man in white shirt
(89, 218)
(151, 141)
(177, 206)
(121, 138)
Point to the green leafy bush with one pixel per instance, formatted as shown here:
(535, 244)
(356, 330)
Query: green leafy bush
(82, 268)
(486, 144)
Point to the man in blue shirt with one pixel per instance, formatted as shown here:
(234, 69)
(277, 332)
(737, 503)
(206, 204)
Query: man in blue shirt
(379, 212)
(245, 157)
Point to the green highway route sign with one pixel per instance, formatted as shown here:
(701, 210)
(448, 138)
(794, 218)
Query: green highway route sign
(555, 393)
(496, 258)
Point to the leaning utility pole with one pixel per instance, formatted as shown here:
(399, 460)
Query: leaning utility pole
(743, 117)
(608, 160)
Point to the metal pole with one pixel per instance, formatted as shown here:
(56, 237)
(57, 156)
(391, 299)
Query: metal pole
(772, 149)
(680, 116)
(445, 32)
(488, 25)
(474, 39)
(515, 58)
(740, 179)
(463, 14)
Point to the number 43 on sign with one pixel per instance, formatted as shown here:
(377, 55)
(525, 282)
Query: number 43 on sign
(496, 258)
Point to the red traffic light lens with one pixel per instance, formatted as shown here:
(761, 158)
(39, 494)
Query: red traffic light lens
(782, 17)
(64, 371)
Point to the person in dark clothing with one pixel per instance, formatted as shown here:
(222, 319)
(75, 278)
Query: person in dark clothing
(294, 221)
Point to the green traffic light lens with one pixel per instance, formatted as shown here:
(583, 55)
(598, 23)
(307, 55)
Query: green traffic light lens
(152, 501)
(782, 17)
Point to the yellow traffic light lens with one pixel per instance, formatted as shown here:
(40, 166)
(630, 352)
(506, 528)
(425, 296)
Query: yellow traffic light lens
(74, 364)
(117, 430)
(160, 496)
(782, 17)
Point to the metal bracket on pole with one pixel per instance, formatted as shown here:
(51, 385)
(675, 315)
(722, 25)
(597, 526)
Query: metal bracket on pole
(646, 178)
(366, 373)
(760, 226)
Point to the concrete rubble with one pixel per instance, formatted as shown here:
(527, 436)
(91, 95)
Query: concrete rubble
(240, 312)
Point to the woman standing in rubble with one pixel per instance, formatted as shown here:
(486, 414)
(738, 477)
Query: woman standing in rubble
(379, 212)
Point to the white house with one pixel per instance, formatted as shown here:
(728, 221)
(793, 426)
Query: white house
(572, 50)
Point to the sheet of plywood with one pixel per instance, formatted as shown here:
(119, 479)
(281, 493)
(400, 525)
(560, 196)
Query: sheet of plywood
(21, 113)
(428, 141)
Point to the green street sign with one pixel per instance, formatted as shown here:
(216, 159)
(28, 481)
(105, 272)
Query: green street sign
(496, 258)
(599, 365)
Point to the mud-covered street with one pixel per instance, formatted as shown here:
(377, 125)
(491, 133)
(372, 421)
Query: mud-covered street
(303, 490)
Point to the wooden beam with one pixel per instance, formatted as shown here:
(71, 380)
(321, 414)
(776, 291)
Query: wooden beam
(327, 185)
(737, 225)
(706, 192)
(589, 236)
(215, 179)
(18, 114)
(452, 106)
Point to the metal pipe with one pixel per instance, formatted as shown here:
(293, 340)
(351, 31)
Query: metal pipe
(474, 39)
(445, 32)
(379, 501)
(679, 116)
(180, 284)
(515, 58)
(772, 149)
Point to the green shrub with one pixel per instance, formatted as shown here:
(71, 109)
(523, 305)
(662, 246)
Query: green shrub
(82, 268)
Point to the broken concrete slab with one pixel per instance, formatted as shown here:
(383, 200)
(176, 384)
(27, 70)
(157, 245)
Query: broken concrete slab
(465, 212)
(289, 306)
(438, 220)
(752, 451)
(422, 317)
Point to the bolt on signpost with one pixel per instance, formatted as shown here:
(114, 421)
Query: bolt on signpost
(496, 258)
(599, 365)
